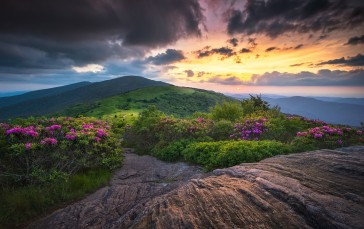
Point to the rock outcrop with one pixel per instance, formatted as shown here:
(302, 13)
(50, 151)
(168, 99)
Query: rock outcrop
(318, 189)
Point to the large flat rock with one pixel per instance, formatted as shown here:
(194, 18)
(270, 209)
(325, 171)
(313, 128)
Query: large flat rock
(318, 189)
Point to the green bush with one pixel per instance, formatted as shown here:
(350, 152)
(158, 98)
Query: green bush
(172, 151)
(221, 130)
(231, 111)
(223, 154)
(37, 151)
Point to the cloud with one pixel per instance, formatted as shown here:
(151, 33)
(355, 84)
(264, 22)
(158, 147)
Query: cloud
(232, 80)
(223, 51)
(168, 57)
(297, 65)
(233, 41)
(355, 40)
(298, 46)
(252, 43)
(357, 60)
(189, 73)
(89, 68)
(274, 18)
(272, 49)
(200, 74)
(245, 50)
(323, 77)
(135, 23)
(47, 36)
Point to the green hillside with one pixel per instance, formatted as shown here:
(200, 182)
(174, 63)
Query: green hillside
(178, 101)
(54, 102)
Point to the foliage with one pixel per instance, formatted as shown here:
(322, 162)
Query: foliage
(327, 137)
(231, 111)
(37, 151)
(17, 206)
(221, 130)
(222, 154)
(172, 151)
(254, 104)
(250, 129)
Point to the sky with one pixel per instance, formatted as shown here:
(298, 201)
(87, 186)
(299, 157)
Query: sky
(286, 47)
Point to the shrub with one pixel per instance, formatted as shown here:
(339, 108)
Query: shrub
(231, 111)
(221, 130)
(254, 104)
(250, 129)
(327, 137)
(222, 154)
(47, 150)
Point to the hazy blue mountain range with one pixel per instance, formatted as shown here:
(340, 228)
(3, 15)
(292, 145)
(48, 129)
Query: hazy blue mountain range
(7, 101)
(331, 112)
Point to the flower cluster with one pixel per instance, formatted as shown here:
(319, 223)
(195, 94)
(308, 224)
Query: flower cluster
(53, 131)
(251, 129)
(330, 133)
(49, 141)
(28, 131)
(71, 135)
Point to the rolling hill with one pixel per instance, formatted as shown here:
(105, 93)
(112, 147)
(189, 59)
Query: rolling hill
(179, 101)
(11, 100)
(56, 101)
(331, 112)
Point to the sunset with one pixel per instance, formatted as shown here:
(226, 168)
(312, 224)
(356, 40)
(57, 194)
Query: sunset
(164, 114)
(259, 46)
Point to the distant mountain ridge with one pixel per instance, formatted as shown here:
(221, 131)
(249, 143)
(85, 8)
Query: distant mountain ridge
(58, 101)
(11, 100)
(331, 112)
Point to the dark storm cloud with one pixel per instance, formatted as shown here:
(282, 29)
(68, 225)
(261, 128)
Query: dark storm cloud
(39, 36)
(233, 41)
(276, 17)
(223, 51)
(357, 60)
(245, 50)
(168, 57)
(271, 49)
(189, 73)
(135, 22)
(355, 40)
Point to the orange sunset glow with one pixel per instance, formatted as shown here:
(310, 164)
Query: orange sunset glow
(255, 46)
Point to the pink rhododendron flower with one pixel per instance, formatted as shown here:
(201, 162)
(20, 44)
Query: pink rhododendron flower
(28, 146)
(49, 141)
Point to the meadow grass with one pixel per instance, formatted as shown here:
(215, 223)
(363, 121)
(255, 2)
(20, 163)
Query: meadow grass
(19, 206)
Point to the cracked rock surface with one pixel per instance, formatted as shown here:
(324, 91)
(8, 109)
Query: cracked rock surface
(318, 189)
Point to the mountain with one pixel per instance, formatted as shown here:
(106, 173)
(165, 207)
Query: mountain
(331, 112)
(57, 102)
(7, 101)
(178, 101)
(247, 95)
(13, 93)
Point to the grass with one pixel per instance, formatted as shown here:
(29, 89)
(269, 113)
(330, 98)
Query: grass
(20, 205)
(179, 101)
